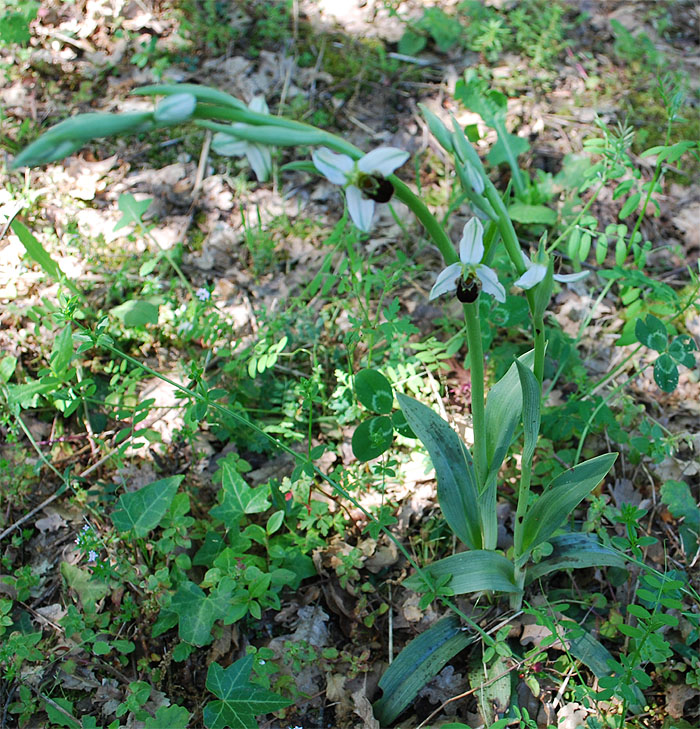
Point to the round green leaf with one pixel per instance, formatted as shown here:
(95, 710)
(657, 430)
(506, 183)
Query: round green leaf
(374, 391)
(652, 333)
(372, 437)
(666, 373)
(401, 424)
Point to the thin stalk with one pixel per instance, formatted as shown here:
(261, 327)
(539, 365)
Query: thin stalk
(612, 393)
(476, 368)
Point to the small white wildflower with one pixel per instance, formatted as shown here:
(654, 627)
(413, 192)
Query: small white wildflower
(259, 157)
(537, 271)
(364, 181)
(462, 276)
(92, 556)
(203, 294)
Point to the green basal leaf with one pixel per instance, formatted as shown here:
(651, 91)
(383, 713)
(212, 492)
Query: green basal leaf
(471, 571)
(89, 590)
(531, 409)
(374, 391)
(575, 551)
(417, 663)
(561, 496)
(503, 408)
(136, 313)
(454, 468)
(142, 510)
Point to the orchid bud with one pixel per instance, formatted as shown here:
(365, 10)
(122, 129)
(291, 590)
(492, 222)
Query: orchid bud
(175, 109)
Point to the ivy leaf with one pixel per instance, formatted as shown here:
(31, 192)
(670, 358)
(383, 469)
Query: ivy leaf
(197, 611)
(132, 210)
(238, 498)
(89, 590)
(142, 510)
(174, 717)
(240, 701)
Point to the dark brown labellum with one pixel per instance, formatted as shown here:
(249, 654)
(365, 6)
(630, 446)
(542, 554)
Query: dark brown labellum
(376, 188)
(468, 291)
(382, 192)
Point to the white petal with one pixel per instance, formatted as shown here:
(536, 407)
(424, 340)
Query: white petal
(382, 161)
(570, 277)
(471, 247)
(361, 209)
(534, 274)
(446, 281)
(228, 146)
(334, 167)
(258, 104)
(260, 160)
(490, 283)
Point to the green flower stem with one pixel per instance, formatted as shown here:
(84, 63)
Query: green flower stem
(476, 369)
(427, 219)
(510, 240)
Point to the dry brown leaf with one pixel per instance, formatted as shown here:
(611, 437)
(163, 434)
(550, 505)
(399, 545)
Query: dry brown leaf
(363, 708)
(52, 522)
(677, 695)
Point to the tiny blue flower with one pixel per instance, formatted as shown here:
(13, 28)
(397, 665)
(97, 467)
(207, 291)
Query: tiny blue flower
(203, 294)
(92, 556)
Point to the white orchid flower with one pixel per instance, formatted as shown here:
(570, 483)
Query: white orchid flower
(258, 155)
(364, 181)
(537, 271)
(462, 276)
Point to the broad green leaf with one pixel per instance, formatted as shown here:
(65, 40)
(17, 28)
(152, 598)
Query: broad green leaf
(532, 214)
(238, 498)
(36, 251)
(198, 611)
(57, 717)
(374, 391)
(372, 438)
(531, 409)
(132, 210)
(26, 395)
(417, 663)
(136, 313)
(239, 701)
(172, 717)
(142, 510)
(682, 350)
(575, 551)
(89, 590)
(561, 496)
(503, 408)
(454, 468)
(401, 425)
(471, 571)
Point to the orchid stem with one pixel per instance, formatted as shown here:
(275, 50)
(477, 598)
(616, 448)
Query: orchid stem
(476, 369)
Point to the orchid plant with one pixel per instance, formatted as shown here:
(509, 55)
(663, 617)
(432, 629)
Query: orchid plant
(467, 477)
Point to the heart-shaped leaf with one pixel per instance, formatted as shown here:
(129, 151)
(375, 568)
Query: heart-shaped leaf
(142, 510)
